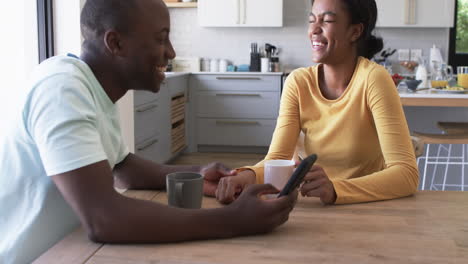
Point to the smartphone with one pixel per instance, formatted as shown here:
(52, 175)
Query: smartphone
(298, 175)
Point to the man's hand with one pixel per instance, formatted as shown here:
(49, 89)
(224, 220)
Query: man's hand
(254, 215)
(317, 184)
(212, 173)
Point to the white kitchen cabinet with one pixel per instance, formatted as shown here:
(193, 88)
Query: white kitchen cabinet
(234, 110)
(240, 13)
(415, 13)
(146, 120)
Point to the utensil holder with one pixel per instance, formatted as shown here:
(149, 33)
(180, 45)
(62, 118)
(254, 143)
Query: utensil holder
(255, 62)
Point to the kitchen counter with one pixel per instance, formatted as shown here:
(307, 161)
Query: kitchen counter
(239, 73)
(175, 74)
(429, 227)
(428, 98)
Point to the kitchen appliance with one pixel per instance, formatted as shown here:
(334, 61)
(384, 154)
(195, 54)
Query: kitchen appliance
(421, 74)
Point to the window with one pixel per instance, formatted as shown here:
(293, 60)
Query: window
(18, 28)
(458, 50)
(45, 29)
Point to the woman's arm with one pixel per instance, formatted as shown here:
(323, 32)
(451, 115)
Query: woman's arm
(288, 124)
(400, 177)
(282, 144)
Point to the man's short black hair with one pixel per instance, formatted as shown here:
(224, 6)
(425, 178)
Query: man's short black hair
(98, 16)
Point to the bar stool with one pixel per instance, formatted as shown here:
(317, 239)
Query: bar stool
(455, 133)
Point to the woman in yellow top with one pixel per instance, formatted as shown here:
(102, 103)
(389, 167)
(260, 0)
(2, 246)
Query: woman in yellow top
(349, 110)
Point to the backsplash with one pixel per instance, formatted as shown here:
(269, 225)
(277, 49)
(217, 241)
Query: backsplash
(190, 40)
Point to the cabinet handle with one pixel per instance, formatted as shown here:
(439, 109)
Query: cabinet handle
(146, 108)
(238, 12)
(147, 145)
(237, 122)
(410, 12)
(240, 78)
(233, 94)
(244, 16)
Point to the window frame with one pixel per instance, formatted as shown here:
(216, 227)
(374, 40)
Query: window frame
(45, 24)
(456, 59)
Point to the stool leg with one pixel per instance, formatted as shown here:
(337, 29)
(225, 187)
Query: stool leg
(425, 167)
(463, 168)
(435, 166)
(446, 166)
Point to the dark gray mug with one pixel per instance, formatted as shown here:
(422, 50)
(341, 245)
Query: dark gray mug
(184, 189)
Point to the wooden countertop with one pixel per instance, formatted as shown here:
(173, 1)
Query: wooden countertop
(430, 227)
(426, 98)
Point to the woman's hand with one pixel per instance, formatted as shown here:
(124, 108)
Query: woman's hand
(229, 188)
(317, 184)
(212, 173)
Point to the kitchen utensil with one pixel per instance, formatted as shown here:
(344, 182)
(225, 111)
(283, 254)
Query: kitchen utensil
(441, 75)
(265, 64)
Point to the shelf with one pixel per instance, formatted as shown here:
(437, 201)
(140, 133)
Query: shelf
(181, 4)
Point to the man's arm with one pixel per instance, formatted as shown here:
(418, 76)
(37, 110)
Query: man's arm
(135, 172)
(110, 217)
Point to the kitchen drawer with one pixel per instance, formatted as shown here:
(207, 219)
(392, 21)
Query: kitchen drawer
(238, 82)
(235, 132)
(146, 121)
(144, 97)
(232, 104)
(150, 149)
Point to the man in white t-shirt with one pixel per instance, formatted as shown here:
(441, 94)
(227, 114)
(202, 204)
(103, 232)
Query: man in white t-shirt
(64, 150)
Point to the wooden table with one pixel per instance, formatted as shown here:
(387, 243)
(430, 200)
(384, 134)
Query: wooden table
(430, 227)
(425, 98)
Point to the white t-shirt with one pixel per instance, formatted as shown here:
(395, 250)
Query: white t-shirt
(64, 121)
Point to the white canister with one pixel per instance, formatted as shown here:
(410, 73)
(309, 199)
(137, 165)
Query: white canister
(214, 65)
(223, 64)
(264, 64)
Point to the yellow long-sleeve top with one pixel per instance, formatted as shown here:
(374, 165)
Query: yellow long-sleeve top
(361, 138)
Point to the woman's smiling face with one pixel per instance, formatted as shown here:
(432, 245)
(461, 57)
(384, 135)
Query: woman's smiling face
(331, 33)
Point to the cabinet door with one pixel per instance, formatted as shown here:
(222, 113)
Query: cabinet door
(261, 13)
(413, 13)
(228, 104)
(391, 13)
(435, 13)
(218, 13)
(240, 132)
(240, 13)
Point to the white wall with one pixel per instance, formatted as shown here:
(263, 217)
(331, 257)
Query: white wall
(67, 35)
(19, 49)
(191, 40)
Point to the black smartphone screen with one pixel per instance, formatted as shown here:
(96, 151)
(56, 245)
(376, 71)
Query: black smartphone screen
(298, 175)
